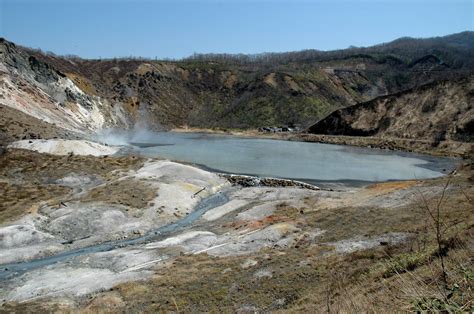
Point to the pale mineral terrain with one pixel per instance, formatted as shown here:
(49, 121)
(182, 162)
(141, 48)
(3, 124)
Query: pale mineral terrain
(132, 222)
(90, 226)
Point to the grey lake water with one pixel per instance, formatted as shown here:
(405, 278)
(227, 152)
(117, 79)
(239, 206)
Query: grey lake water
(309, 162)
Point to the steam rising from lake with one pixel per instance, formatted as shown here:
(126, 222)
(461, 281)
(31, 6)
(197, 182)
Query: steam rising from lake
(140, 133)
(126, 137)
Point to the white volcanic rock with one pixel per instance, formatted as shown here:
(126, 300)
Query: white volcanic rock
(65, 147)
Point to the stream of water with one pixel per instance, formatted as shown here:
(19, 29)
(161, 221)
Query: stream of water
(11, 270)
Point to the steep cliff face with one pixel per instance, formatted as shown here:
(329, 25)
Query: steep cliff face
(284, 89)
(436, 111)
(37, 89)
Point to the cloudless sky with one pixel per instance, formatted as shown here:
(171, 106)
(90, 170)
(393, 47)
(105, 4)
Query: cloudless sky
(175, 29)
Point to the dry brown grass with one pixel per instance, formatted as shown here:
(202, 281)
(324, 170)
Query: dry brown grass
(308, 277)
(83, 83)
(27, 179)
(28, 166)
(387, 187)
(133, 193)
(15, 125)
(17, 200)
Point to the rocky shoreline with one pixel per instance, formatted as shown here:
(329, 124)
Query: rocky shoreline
(252, 181)
(441, 149)
(421, 146)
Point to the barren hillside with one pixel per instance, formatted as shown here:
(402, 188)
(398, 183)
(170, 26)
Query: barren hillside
(296, 88)
(436, 111)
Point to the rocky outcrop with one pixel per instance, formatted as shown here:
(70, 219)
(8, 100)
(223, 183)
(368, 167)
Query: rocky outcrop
(248, 181)
(37, 89)
(436, 111)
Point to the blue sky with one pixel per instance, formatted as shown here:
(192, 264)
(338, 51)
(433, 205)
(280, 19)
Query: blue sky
(175, 29)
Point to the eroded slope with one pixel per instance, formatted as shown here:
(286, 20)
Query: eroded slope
(438, 111)
(221, 90)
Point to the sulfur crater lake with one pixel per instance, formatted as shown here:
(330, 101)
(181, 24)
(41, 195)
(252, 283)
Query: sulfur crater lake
(304, 161)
